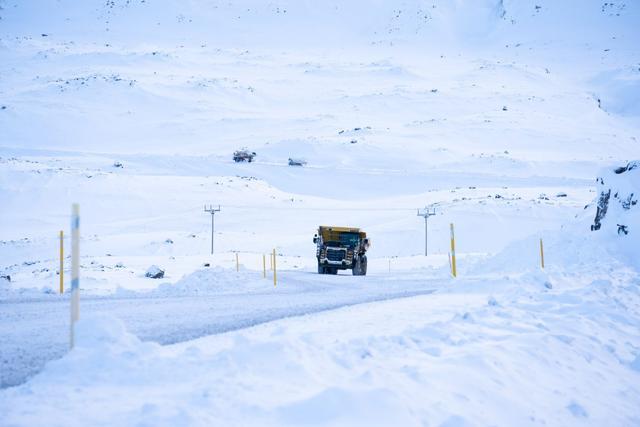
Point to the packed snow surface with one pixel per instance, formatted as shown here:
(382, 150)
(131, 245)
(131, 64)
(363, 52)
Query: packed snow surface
(532, 349)
(500, 114)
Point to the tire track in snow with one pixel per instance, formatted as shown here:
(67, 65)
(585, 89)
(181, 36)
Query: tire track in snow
(35, 332)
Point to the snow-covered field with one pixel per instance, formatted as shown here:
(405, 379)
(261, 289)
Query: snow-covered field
(500, 114)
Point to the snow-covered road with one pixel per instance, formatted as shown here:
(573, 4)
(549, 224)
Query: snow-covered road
(32, 332)
(521, 349)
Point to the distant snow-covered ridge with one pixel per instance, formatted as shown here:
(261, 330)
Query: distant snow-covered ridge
(250, 22)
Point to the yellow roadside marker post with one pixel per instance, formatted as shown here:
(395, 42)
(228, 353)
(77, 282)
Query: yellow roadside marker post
(453, 253)
(541, 254)
(237, 263)
(61, 262)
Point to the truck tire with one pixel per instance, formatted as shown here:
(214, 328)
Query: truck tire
(356, 269)
(360, 267)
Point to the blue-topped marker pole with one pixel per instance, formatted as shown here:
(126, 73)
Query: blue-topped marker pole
(75, 269)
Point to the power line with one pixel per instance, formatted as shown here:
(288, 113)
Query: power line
(278, 208)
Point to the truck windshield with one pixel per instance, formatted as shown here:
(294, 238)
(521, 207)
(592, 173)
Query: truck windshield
(349, 239)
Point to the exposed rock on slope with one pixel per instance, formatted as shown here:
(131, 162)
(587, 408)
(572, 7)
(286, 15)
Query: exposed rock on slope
(618, 212)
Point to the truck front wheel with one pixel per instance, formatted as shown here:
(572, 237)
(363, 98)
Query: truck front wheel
(360, 267)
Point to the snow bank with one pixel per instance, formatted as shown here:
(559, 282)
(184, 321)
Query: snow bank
(103, 332)
(454, 358)
(213, 281)
(156, 385)
(104, 351)
(9, 292)
(605, 237)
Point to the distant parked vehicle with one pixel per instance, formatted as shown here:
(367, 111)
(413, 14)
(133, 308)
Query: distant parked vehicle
(297, 162)
(243, 155)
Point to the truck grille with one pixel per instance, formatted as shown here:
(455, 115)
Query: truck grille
(335, 255)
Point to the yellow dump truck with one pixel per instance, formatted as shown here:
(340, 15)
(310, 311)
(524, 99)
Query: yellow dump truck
(341, 248)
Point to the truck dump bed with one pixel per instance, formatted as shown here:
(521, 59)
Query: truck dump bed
(330, 234)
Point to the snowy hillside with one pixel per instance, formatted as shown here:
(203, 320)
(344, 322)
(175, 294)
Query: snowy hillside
(254, 22)
(429, 117)
(510, 118)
